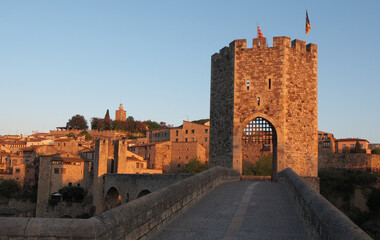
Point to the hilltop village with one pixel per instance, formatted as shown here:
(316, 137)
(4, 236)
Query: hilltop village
(45, 165)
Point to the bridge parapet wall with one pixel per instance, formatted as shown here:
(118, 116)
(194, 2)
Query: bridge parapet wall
(128, 221)
(324, 220)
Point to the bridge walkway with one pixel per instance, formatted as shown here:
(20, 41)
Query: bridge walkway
(238, 210)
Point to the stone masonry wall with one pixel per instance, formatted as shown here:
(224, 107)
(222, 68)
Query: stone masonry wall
(323, 220)
(222, 108)
(359, 161)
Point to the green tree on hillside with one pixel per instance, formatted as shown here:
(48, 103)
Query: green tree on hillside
(152, 124)
(77, 122)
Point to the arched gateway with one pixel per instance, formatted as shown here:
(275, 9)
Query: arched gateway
(275, 85)
(259, 138)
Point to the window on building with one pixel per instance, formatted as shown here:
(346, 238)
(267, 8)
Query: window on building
(206, 130)
(258, 101)
(205, 139)
(137, 165)
(319, 136)
(185, 139)
(176, 139)
(176, 133)
(270, 83)
(361, 145)
(59, 144)
(192, 131)
(192, 139)
(179, 165)
(56, 170)
(17, 170)
(187, 131)
(248, 84)
(326, 144)
(325, 136)
(64, 144)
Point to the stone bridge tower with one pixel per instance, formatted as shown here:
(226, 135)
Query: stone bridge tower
(263, 88)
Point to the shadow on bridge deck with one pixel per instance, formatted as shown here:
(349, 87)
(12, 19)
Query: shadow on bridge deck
(238, 210)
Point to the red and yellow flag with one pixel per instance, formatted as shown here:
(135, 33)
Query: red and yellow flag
(308, 27)
(259, 33)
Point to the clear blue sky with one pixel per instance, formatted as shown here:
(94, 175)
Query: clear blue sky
(61, 58)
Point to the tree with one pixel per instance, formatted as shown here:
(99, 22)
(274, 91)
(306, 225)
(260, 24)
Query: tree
(8, 188)
(152, 124)
(77, 122)
(97, 124)
(357, 148)
(72, 135)
(107, 121)
(263, 167)
(195, 166)
(201, 121)
(87, 136)
(72, 194)
(375, 151)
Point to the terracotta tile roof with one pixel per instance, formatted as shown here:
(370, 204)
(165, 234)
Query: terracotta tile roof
(64, 139)
(350, 140)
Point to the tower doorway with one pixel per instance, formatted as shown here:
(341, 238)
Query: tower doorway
(259, 148)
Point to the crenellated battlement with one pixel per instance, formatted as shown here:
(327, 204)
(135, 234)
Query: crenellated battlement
(261, 43)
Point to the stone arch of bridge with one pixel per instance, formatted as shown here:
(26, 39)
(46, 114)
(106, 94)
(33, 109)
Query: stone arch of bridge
(238, 139)
(143, 193)
(112, 198)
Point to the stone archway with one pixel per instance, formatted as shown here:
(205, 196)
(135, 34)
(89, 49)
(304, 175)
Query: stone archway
(112, 199)
(143, 193)
(259, 138)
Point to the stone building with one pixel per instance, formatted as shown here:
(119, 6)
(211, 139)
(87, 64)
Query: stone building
(172, 148)
(57, 171)
(19, 166)
(326, 142)
(345, 144)
(265, 95)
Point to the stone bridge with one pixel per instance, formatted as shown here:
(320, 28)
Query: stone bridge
(217, 195)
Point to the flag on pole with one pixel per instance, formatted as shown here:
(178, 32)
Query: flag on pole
(308, 27)
(259, 33)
